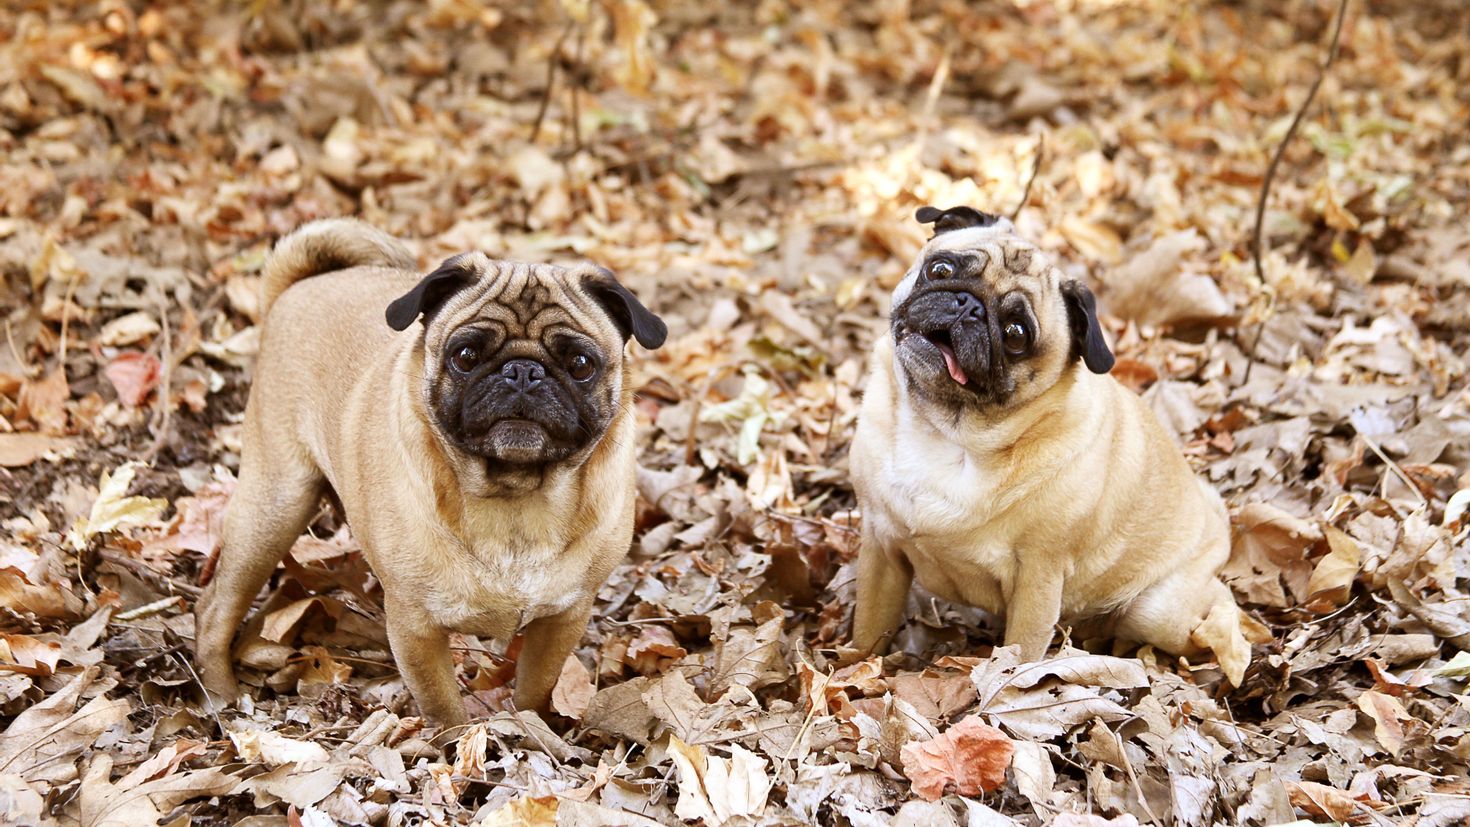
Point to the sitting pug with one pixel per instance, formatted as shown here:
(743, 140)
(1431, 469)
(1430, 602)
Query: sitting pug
(996, 459)
(480, 439)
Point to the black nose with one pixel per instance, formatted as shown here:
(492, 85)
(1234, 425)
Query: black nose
(522, 374)
(967, 307)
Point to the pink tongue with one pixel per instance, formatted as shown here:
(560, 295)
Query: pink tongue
(953, 364)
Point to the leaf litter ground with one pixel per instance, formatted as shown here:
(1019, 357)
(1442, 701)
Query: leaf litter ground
(751, 172)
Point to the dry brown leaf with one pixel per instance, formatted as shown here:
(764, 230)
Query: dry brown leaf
(525, 811)
(1152, 288)
(104, 804)
(1221, 633)
(716, 790)
(275, 749)
(1270, 546)
(574, 689)
(970, 756)
(22, 449)
(934, 694)
(749, 657)
(1321, 800)
(653, 650)
(1093, 240)
(19, 594)
(27, 655)
(43, 402)
(134, 375)
(1333, 577)
(55, 727)
(1083, 820)
(1388, 716)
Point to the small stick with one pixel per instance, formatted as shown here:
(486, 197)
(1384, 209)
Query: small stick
(550, 82)
(165, 385)
(576, 88)
(208, 700)
(1276, 162)
(1035, 168)
(151, 608)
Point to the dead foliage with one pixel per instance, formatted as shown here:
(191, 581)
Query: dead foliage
(751, 170)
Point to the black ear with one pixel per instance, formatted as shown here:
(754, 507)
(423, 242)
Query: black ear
(954, 218)
(1087, 335)
(629, 314)
(426, 296)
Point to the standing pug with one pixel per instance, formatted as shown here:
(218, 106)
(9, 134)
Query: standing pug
(484, 459)
(997, 460)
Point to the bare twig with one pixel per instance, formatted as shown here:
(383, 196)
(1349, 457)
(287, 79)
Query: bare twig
(575, 88)
(1301, 112)
(208, 699)
(164, 414)
(153, 578)
(1393, 466)
(71, 290)
(551, 60)
(1035, 169)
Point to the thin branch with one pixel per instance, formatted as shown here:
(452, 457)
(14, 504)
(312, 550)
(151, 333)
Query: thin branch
(1301, 112)
(164, 412)
(1035, 169)
(551, 60)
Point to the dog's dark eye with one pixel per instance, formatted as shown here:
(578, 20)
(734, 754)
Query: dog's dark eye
(465, 358)
(940, 269)
(1013, 338)
(581, 367)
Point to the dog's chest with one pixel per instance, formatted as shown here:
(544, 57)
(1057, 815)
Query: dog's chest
(495, 587)
(930, 487)
(937, 505)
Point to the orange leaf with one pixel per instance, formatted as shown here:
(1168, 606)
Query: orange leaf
(972, 756)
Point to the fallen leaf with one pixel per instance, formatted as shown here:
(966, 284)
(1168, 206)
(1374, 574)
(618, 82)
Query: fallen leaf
(1458, 667)
(134, 375)
(25, 654)
(55, 727)
(113, 509)
(970, 756)
(525, 811)
(1388, 716)
(574, 689)
(275, 749)
(128, 329)
(22, 449)
(1321, 800)
(1152, 287)
(1221, 633)
(716, 790)
(1333, 577)
(104, 804)
(1096, 241)
(43, 402)
(1270, 547)
(749, 657)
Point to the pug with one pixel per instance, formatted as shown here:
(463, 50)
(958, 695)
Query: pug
(474, 423)
(997, 460)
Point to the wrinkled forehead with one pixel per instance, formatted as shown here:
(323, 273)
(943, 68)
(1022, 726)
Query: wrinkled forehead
(524, 299)
(996, 255)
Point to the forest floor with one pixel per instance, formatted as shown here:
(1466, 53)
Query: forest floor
(751, 171)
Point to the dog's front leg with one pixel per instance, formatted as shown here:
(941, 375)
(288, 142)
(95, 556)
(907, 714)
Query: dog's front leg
(883, 581)
(548, 640)
(421, 650)
(1032, 609)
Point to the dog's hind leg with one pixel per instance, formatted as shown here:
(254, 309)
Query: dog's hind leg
(272, 504)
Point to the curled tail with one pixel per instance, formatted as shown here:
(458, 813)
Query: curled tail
(324, 246)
